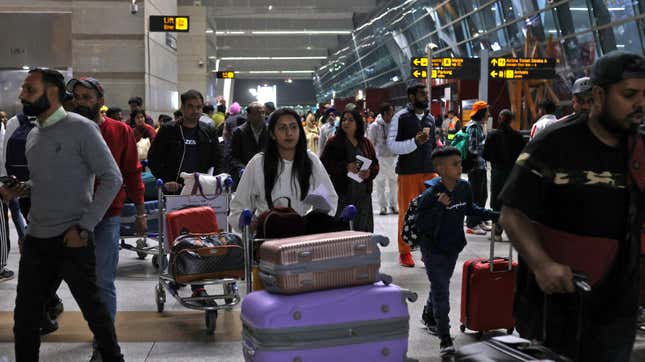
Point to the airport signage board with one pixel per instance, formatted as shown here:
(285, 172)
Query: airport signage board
(521, 68)
(171, 23)
(226, 75)
(447, 68)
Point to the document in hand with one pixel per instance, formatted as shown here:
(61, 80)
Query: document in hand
(365, 164)
(318, 198)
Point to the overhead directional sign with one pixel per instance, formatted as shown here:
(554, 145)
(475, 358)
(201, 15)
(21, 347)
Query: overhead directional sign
(521, 68)
(226, 75)
(447, 68)
(169, 23)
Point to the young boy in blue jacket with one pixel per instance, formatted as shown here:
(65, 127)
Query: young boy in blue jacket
(440, 222)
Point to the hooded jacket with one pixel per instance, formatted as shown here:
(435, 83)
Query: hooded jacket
(377, 133)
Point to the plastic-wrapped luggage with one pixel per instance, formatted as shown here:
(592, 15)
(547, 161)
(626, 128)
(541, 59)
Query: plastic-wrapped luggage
(128, 219)
(364, 323)
(321, 261)
(207, 256)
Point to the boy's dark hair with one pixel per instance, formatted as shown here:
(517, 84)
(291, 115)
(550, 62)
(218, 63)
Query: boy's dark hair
(191, 94)
(221, 108)
(441, 153)
(480, 114)
(548, 106)
(163, 119)
(177, 114)
(52, 78)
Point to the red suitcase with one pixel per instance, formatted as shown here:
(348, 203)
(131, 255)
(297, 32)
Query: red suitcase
(194, 220)
(487, 293)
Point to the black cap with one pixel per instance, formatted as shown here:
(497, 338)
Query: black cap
(616, 66)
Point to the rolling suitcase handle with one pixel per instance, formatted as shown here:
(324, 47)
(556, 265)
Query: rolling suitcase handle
(245, 225)
(492, 252)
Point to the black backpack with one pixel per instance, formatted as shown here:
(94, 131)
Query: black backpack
(16, 159)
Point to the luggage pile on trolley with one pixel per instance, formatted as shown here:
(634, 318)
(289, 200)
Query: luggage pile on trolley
(325, 300)
(195, 248)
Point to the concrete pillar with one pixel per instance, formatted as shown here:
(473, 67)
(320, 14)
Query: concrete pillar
(191, 52)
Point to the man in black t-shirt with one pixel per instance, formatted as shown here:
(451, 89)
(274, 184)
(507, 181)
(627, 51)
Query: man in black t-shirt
(574, 177)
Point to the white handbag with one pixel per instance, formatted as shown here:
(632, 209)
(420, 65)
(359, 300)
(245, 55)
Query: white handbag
(203, 184)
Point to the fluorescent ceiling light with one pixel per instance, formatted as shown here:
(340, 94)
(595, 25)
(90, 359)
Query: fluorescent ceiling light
(620, 45)
(209, 31)
(273, 58)
(578, 9)
(552, 31)
(230, 32)
(211, 57)
(303, 32)
(277, 71)
(270, 7)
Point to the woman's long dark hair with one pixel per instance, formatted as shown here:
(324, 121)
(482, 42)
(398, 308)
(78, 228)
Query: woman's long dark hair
(360, 125)
(302, 165)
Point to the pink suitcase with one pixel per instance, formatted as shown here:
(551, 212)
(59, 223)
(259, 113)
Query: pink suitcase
(364, 323)
(321, 261)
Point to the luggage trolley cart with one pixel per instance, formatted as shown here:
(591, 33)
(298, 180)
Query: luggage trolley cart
(151, 205)
(230, 294)
(348, 214)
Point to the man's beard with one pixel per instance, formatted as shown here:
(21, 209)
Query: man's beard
(33, 109)
(613, 126)
(87, 112)
(421, 105)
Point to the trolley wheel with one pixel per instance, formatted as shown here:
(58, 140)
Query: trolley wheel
(510, 331)
(211, 321)
(479, 335)
(160, 295)
(462, 328)
(141, 243)
(229, 289)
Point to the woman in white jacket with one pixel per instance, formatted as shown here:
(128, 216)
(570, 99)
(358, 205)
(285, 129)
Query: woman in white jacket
(284, 169)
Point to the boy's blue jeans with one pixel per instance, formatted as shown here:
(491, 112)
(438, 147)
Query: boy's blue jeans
(439, 268)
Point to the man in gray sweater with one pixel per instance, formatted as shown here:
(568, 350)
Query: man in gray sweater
(67, 157)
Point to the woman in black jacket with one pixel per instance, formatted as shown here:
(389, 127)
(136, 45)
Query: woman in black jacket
(339, 158)
(501, 149)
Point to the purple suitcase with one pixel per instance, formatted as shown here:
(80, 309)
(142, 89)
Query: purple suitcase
(365, 323)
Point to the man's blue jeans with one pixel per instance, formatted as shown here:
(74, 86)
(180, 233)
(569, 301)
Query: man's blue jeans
(439, 269)
(106, 236)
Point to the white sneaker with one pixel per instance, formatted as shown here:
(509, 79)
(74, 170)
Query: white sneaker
(477, 230)
(485, 226)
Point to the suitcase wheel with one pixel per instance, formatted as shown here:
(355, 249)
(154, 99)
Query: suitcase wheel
(462, 328)
(160, 295)
(211, 321)
(510, 331)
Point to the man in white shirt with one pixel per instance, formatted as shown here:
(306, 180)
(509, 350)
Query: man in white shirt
(546, 110)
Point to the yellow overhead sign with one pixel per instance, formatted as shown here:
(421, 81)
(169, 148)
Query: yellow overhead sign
(171, 23)
(522, 62)
(521, 68)
(226, 75)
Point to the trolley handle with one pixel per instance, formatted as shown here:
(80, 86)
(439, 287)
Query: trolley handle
(245, 218)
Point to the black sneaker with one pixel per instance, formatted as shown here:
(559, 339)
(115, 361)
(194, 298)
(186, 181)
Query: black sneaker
(55, 309)
(47, 325)
(428, 320)
(6, 275)
(446, 347)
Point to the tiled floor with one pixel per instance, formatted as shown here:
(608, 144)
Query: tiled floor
(136, 280)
